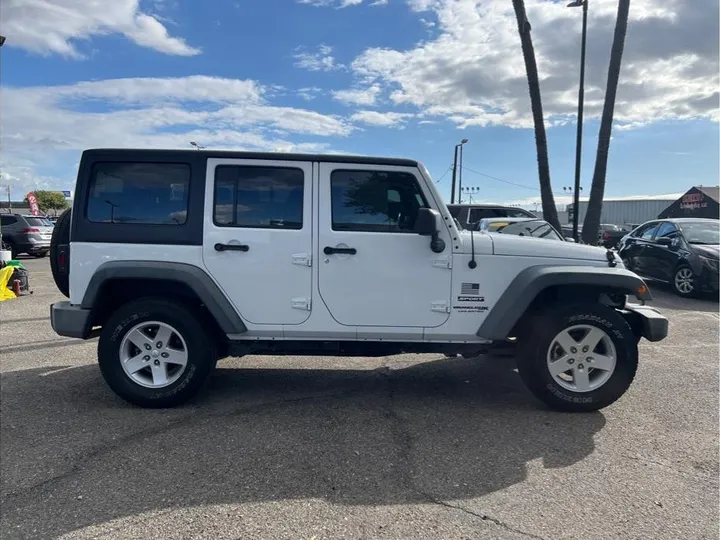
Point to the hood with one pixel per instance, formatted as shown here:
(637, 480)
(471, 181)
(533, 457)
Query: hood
(712, 252)
(509, 244)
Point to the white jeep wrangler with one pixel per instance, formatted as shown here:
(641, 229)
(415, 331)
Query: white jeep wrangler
(177, 259)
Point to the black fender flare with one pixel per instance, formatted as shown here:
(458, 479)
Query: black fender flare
(522, 290)
(194, 277)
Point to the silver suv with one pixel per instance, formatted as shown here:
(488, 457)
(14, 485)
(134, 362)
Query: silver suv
(26, 234)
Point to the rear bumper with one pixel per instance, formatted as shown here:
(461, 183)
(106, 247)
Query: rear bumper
(35, 247)
(647, 321)
(70, 320)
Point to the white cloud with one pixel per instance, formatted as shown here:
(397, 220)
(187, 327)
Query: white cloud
(55, 26)
(309, 93)
(42, 126)
(473, 74)
(340, 3)
(319, 60)
(358, 96)
(381, 119)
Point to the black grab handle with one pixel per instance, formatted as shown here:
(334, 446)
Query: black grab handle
(330, 250)
(231, 247)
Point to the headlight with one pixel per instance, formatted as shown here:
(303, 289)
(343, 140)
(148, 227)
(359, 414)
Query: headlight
(710, 263)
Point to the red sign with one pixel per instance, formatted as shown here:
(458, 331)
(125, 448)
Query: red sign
(32, 201)
(691, 201)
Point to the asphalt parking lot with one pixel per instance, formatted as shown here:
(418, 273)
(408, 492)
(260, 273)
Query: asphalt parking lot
(412, 446)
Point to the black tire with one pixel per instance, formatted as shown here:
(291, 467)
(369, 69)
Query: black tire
(693, 282)
(540, 332)
(201, 352)
(60, 236)
(8, 246)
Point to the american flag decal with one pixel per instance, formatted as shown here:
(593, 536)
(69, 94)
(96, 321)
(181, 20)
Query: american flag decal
(470, 289)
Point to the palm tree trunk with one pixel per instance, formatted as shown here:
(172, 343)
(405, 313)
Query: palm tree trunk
(591, 224)
(546, 194)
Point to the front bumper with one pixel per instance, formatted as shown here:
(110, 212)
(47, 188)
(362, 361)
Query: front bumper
(709, 280)
(647, 321)
(70, 320)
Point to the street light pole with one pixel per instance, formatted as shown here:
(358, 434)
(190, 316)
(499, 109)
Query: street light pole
(460, 175)
(452, 187)
(455, 166)
(581, 102)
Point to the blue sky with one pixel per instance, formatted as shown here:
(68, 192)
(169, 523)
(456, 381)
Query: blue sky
(397, 77)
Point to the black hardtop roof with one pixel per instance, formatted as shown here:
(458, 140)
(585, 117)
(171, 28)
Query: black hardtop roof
(147, 154)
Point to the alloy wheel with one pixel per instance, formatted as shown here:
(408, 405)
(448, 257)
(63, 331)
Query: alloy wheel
(684, 280)
(581, 358)
(153, 354)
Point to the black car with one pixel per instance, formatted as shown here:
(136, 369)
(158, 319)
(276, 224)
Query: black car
(682, 252)
(469, 214)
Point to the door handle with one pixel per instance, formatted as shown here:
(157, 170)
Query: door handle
(231, 247)
(330, 250)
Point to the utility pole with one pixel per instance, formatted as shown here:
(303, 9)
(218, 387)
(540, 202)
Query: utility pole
(581, 101)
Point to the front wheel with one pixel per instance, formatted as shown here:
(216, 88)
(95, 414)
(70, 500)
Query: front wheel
(155, 353)
(578, 358)
(684, 282)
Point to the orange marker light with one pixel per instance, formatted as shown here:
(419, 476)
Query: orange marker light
(642, 289)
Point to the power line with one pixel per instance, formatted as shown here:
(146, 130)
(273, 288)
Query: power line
(501, 180)
(536, 188)
(443, 174)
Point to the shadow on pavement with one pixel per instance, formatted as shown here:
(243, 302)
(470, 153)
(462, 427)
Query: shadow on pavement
(665, 298)
(75, 455)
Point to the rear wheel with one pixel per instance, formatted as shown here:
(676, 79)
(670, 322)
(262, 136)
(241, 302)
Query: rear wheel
(578, 358)
(59, 252)
(155, 353)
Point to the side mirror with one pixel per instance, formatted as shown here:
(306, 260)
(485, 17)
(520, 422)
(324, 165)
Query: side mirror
(665, 241)
(426, 224)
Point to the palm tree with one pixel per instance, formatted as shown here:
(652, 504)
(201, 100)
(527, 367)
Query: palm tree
(591, 224)
(546, 195)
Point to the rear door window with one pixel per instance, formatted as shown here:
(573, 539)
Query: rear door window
(259, 197)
